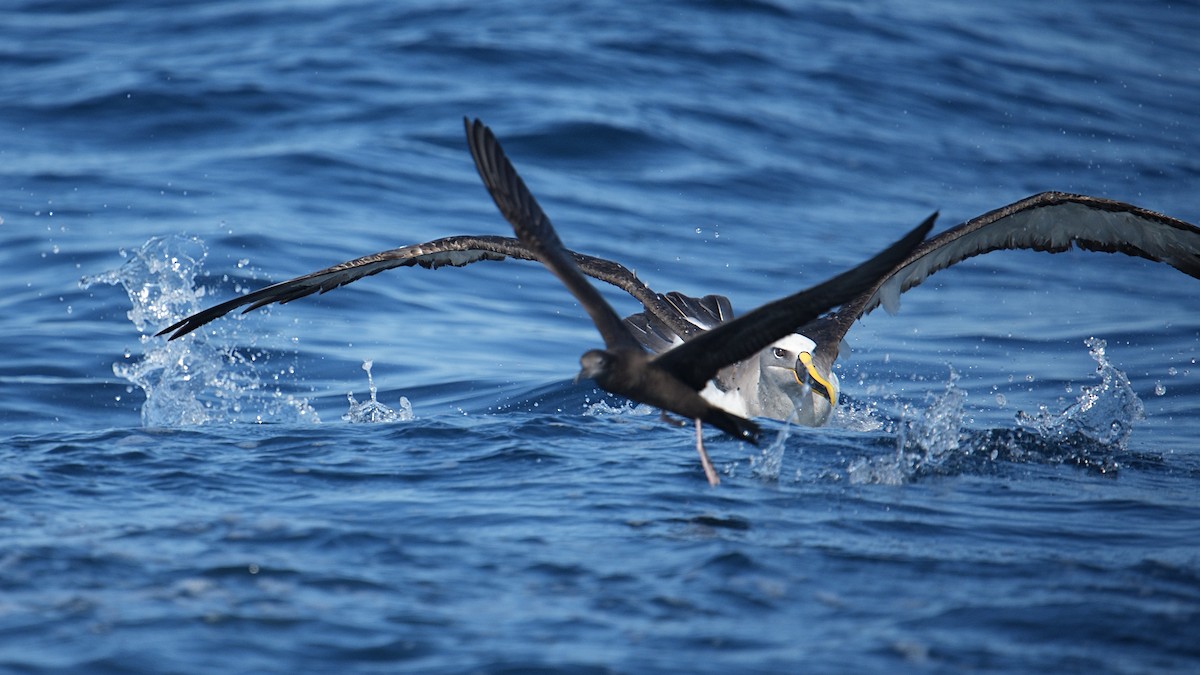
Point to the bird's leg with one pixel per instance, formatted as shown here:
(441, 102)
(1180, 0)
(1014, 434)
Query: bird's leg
(705, 462)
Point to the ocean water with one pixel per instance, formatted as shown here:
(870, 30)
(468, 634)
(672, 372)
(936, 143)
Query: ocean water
(400, 475)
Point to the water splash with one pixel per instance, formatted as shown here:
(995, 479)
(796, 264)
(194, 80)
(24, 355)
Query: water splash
(159, 278)
(372, 411)
(189, 381)
(1092, 432)
(923, 445)
(625, 407)
(768, 463)
(1104, 413)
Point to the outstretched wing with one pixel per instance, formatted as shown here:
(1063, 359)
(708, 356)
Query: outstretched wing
(1048, 221)
(455, 251)
(698, 360)
(534, 230)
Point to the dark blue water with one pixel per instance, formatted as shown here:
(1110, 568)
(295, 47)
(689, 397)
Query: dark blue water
(997, 495)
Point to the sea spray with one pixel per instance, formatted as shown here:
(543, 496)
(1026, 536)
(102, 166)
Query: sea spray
(1092, 432)
(1104, 412)
(768, 463)
(924, 443)
(189, 381)
(372, 411)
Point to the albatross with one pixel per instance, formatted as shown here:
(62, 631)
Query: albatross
(1052, 222)
(792, 378)
(673, 379)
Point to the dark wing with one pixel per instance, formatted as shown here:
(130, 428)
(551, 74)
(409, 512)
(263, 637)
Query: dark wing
(534, 230)
(1049, 221)
(691, 317)
(698, 360)
(455, 251)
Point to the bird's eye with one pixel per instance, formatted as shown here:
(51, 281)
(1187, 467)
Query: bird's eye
(779, 352)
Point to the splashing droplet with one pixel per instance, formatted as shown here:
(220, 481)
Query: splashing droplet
(923, 444)
(372, 411)
(1104, 412)
(189, 381)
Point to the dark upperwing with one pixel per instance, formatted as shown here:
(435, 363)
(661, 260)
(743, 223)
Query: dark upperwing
(697, 361)
(1048, 221)
(533, 227)
(456, 251)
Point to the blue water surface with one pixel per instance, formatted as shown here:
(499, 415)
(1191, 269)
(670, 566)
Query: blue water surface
(1010, 486)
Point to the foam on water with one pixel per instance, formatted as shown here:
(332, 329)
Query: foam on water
(190, 381)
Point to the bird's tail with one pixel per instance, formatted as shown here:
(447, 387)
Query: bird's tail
(738, 427)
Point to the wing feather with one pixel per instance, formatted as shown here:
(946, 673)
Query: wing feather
(698, 360)
(533, 228)
(457, 251)
(1049, 221)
